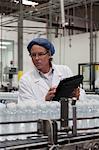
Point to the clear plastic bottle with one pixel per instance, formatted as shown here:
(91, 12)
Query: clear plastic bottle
(2, 119)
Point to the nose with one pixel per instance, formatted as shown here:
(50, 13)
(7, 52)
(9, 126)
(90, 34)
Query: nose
(37, 56)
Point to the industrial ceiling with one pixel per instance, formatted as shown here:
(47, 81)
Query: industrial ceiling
(79, 14)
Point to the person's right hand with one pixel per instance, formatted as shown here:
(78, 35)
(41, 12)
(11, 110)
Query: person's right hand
(50, 94)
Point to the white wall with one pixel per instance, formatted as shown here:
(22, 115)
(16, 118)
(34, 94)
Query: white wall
(72, 56)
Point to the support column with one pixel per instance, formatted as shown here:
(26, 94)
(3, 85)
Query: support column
(91, 33)
(49, 23)
(20, 40)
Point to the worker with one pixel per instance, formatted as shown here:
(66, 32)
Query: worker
(41, 82)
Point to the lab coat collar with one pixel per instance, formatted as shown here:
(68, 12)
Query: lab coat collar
(39, 80)
(57, 75)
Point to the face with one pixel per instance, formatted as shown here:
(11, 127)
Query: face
(40, 58)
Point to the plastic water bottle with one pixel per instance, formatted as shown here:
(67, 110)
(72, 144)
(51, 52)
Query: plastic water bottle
(2, 116)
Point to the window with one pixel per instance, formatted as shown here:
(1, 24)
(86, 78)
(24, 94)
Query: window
(6, 57)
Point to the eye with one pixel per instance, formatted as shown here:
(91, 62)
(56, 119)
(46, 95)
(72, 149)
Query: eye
(40, 54)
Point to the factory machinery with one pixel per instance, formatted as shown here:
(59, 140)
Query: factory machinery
(61, 133)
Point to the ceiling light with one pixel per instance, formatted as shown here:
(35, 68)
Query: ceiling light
(5, 43)
(66, 23)
(3, 47)
(27, 2)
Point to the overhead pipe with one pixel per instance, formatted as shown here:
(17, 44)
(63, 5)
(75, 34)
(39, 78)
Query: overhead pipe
(50, 21)
(91, 32)
(1, 72)
(20, 40)
(62, 13)
(86, 16)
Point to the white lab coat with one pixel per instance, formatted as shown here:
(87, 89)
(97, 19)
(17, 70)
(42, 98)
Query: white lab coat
(32, 87)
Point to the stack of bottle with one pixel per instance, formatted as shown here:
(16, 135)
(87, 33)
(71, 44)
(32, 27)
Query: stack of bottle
(13, 112)
(6, 97)
(87, 106)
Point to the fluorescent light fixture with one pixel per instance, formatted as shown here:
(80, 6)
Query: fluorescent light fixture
(5, 43)
(66, 23)
(3, 47)
(27, 2)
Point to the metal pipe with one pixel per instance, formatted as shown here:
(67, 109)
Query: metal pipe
(91, 32)
(20, 40)
(64, 112)
(1, 53)
(74, 118)
(86, 16)
(62, 13)
(49, 21)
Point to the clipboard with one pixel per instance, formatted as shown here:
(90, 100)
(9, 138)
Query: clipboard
(66, 87)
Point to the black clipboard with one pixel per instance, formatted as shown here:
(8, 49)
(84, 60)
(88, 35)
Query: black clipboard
(66, 87)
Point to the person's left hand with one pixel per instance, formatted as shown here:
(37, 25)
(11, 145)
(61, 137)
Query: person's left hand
(76, 93)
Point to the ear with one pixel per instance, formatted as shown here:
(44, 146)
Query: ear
(50, 55)
(50, 58)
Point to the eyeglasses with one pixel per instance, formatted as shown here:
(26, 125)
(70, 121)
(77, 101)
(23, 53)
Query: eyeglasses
(40, 54)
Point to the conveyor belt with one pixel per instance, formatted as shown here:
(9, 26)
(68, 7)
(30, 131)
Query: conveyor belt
(17, 144)
(42, 142)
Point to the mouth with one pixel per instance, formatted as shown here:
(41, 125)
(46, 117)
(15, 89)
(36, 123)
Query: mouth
(38, 64)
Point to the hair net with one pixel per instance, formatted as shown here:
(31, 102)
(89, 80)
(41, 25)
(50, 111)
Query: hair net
(42, 42)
